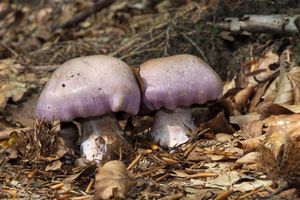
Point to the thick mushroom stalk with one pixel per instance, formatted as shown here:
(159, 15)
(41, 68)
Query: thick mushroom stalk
(91, 89)
(170, 128)
(97, 134)
(172, 82)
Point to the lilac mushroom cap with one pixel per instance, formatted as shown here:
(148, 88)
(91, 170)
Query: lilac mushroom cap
(180, 80)
(91, 88)
(176, 82)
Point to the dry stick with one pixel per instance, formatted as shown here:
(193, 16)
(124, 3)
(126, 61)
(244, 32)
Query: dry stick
(89, 187)
(126, 45)
(223, 195)
(57, 186)
(139, 36)
(148, 172)
(83, 197)
(139, 52)
(134, 162)
(13, 52)
(167, 43)
(162, 177)
(174, 197)
(251, 193)
(280, 24)
(99, 5)
(195, 45)
(190, 149)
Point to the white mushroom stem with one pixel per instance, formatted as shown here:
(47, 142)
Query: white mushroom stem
(170, 127)
(97, 134)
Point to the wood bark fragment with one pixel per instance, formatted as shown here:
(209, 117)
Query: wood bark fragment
(273, 24)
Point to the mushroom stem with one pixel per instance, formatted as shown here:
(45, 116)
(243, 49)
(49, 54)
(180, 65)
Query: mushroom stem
(170, 127)
(100, 136)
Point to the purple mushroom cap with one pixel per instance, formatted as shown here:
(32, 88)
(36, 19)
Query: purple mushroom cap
(89, 86)
(180, 80)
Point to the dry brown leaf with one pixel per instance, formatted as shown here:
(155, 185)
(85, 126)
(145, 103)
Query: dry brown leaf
(4, 134)
(284, 93)
(288, 91)
(280, 156)
(24, 113)
(294, 76)
(251, 144)
(250, 158)
(263, 69)
(259, 92)
(256, 128)
(229, 85)
(241, 98)
(222, 137)
(242, 120)
(56, 165)
(279, 142)
(197, 155)
(219, 124)
(113, 180)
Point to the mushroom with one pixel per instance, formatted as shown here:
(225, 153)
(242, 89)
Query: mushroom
(170, 85)
(91, 89)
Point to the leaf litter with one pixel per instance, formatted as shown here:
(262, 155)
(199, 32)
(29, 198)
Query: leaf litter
(244, 147)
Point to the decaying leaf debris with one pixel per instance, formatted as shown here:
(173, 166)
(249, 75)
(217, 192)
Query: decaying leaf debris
(245, 145)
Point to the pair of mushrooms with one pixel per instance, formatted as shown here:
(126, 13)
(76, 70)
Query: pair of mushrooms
(93, 88)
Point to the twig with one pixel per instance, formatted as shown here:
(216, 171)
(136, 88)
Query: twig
(278, 24)
(89, 187)
(99, 5)
(195, 45)
(134, 162)
(139, 52)
(13, 52)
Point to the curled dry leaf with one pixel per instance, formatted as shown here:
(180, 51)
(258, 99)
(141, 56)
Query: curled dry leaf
(284, 94)
(113, 180)
(242, 97)
(258, 94)
(219, 124)
(250, 158)
(279, 143)
(264, 68)
(242, 120)
(56, 165)
(281, 157)
(251, 144)
(286, 97)
(255, 128)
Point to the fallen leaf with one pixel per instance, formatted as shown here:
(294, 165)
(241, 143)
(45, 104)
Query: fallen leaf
(294, 76)
(233, 180)
(219, 124)
(250, 158)
(56, 165)
(265, 68)
(222, 137)
(113, 180)
(23, 113)
(242, 120)
(241, 98)
(284, 93)
(251, 144)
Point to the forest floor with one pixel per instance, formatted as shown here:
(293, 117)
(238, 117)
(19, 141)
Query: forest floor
(245, 145)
